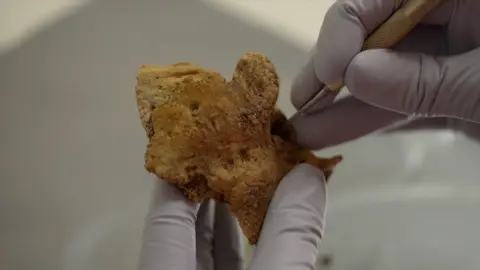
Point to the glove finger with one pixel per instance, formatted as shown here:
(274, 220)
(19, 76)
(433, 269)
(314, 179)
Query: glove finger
(294, 222)
(227, 241)
(305, 86)
(169, 236)
(205, 235)
(346, 26)
(418, 84)
(345, 120)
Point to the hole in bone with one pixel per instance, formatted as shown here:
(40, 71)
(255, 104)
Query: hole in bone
(244, 154)
(229, 164)
(190, 169)
(278, 128)
(244, 119)
(193, 175)
(194, 106)
(197, 177)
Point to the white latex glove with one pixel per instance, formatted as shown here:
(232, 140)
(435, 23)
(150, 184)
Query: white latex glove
(434, 73)
(218, 238)
(289, 240)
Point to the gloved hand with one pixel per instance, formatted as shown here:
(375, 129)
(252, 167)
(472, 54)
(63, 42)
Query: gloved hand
(434, 73)
(289, 240)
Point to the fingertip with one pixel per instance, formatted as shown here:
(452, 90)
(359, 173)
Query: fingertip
(303, 175)
(371, 72)
(168, 200)
(305, 85)
(363, 70)
(310, 191)
(309, 172)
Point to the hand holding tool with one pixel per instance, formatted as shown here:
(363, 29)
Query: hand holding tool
(387, 35)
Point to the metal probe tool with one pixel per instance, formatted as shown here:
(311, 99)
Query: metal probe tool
(387, 35)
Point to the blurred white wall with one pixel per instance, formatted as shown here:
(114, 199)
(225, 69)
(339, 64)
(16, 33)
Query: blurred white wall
(73, 192)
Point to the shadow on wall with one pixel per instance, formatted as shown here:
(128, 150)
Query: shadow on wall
(72, 147)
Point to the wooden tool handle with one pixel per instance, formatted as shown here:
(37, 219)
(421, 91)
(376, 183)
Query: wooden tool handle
(395, 28)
